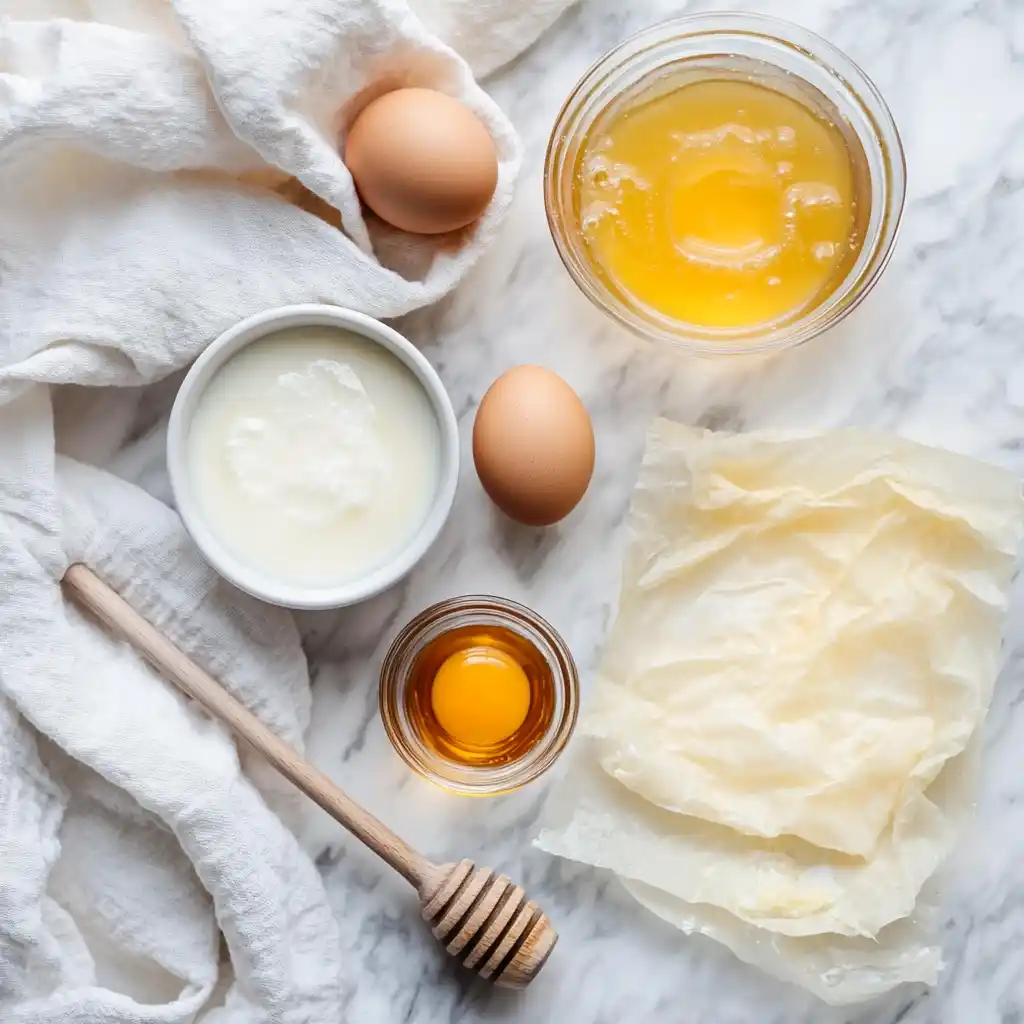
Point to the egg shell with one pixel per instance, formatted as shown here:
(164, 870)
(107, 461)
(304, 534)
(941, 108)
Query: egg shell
(422, 161)
(533, 445)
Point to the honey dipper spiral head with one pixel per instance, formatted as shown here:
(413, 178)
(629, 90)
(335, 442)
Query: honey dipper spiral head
(487, 923)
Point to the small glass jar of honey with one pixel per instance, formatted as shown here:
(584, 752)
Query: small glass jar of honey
(479, 695)
(730, 183)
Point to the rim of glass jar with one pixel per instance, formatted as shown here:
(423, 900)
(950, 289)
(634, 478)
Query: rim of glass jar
(792, 49)
(477, 610)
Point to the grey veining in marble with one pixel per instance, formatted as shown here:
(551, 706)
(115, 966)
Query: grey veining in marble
(936, 353)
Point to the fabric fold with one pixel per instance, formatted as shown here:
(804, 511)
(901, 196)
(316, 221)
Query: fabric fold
(157, 165)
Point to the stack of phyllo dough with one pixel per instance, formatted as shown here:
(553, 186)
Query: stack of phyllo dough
(776, 750)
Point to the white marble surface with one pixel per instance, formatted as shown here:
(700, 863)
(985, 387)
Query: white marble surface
(937, 354)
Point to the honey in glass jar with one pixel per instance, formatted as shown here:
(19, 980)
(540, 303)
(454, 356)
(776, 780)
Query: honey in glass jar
(479, 694)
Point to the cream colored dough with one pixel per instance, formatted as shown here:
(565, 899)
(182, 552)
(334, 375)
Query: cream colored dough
(782, 886)
(808, 628)
(807, 639)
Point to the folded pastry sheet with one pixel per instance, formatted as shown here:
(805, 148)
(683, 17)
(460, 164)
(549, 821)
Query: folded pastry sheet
(808, 634)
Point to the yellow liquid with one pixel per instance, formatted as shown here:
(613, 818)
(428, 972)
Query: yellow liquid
(480, 696)
(722, 203)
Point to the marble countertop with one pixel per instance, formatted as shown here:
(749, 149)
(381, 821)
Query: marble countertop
(936, 354)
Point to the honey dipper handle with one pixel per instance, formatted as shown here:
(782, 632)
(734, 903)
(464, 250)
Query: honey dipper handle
(88, 590)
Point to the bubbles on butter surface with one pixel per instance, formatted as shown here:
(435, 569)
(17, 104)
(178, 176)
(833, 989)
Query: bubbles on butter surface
(807, 195)
(315, 451)
(755, 162)
(776, 206)
(752, 256)
(611, 178)
(714, 137)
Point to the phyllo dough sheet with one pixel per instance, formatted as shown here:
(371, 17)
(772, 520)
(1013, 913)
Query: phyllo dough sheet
(808, 634)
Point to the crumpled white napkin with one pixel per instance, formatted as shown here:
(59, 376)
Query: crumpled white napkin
(147, 153)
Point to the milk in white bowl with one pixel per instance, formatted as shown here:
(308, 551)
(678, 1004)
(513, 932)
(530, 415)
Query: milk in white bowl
(315, 459)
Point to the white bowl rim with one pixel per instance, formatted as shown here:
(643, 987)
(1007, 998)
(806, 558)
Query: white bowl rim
(235, 570)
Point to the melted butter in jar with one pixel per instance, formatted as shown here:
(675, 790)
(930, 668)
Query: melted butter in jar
(723, 203)
(480, 695)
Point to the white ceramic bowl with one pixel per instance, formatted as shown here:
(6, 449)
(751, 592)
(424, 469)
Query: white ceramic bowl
(240, 573)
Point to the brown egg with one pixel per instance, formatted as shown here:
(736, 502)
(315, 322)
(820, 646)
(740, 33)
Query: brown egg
(422, 161)
(533, 445)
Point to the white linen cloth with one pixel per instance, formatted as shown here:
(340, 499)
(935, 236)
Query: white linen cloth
(141, 144)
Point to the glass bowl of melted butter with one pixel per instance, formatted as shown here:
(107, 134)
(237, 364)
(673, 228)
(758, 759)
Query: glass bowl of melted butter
(479, 695)
(729, 183)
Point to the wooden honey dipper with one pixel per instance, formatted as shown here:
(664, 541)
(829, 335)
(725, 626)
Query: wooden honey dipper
(484, 920)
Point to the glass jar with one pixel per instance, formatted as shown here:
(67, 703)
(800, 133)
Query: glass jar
(712, 45)
(560, 696)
